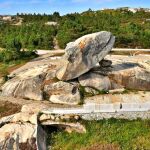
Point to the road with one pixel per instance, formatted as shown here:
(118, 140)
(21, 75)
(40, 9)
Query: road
(61, 51)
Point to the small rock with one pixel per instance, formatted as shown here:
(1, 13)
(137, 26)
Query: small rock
(105, 63)
(52, 117)
(76, 117)
(44, 117)
(57, 119)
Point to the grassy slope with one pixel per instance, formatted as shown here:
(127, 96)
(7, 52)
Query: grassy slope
(107, 134)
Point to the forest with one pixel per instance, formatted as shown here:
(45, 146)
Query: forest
(132, 30)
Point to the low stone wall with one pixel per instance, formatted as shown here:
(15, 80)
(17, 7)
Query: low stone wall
(117, 115)
(94, 111)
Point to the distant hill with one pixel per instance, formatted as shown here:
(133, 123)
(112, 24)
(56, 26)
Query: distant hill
(131, 26)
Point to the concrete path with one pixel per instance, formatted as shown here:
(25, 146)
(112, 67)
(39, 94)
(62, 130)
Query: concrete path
(42, 52)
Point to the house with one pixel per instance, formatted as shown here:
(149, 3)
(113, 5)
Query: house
(7, 18)
(51, 23)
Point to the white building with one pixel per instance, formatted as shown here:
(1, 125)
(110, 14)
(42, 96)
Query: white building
(7, 18)
(51, 23)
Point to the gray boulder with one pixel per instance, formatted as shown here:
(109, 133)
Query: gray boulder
(131, 76)
(26, 84)
(17, 136)
(63, 92)
(95, 81)
(126, 74)
(83, 54)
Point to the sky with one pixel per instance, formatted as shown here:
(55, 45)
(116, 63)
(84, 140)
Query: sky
(11, 7)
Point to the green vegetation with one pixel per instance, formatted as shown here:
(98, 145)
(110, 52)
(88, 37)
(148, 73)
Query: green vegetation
(131, 29)
(14, 52)
(120, 134)
(87, 91)
(13, 56)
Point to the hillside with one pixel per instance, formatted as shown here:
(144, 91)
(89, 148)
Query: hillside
(36, 31)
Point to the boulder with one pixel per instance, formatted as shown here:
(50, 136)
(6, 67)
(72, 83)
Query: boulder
(126, 74)
(26, 84)
(28, 81)
(63, 92)
(95, 81)
(131, 76)
(83, 54)
(18, 136)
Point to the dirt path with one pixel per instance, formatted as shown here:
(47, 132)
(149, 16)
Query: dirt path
(7, 108)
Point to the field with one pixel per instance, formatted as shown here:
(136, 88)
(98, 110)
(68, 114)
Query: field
(105, 135)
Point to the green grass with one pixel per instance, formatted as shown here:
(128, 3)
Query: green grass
(127, 135)
(5, 68)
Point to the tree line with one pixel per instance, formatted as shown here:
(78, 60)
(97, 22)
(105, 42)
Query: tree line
(132, 30)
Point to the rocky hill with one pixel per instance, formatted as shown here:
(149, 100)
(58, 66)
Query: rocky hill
(85, 74)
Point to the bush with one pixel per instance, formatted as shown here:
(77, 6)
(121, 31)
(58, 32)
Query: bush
(13, 52)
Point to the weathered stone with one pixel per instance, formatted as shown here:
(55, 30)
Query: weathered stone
(76, 117)
(34, 108)
(44, 117)
(19, 117)
(126, 74)
(130, 75)
(83, 54)
(28, 81)
(105, 63)
(63, 92)
(95, 81)
(77, 127)
(57, 119)
(17, 136)
(52, 117)
(26, 84)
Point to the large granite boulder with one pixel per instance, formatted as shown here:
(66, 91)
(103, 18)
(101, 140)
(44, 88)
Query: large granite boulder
(26, 84)
(125, 73)
(83, 54)
(28, 81)
(131, 76)
(95, 81)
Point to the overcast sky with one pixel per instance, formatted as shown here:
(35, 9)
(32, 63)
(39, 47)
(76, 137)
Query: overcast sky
(64, 6)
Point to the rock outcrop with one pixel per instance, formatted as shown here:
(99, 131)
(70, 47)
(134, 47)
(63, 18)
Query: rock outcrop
(26, 84)
(126, 74)
(95, 81)
(85, 62)
(130, 75)
(18, 136)
(24, 131)
(63, 92)
(28, 81)
(83, 54)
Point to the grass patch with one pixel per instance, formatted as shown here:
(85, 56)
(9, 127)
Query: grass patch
(6, 68)
(84, 93)
(118, 134)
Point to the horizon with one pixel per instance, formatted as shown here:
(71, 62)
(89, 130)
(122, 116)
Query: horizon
(12, 7)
